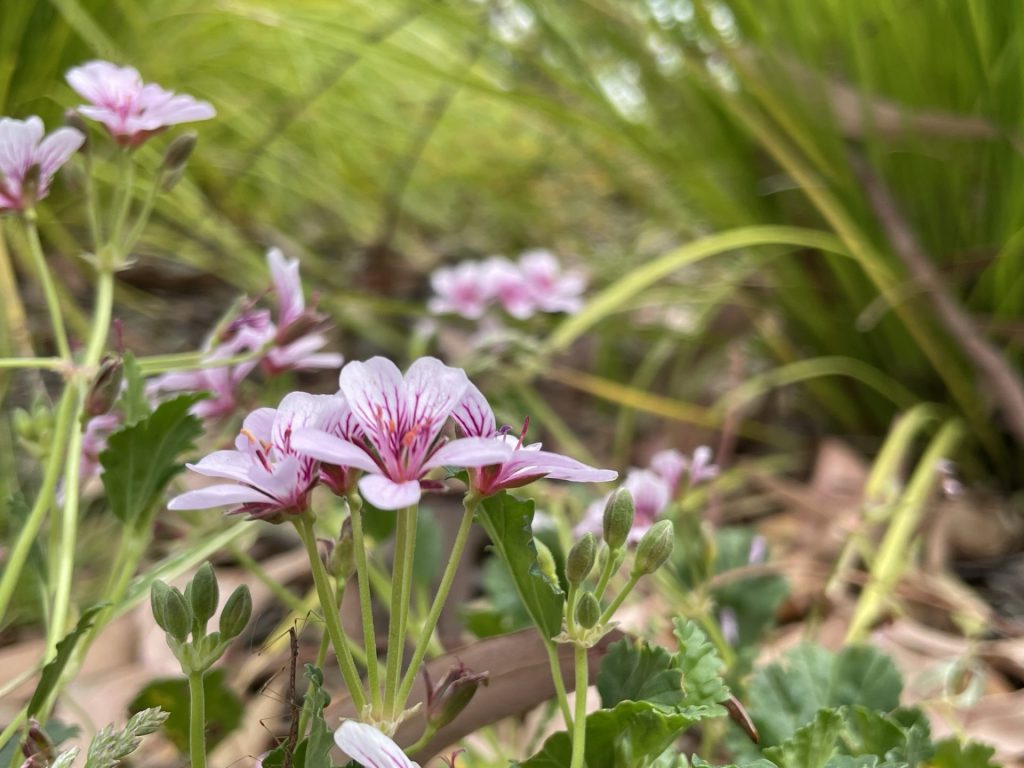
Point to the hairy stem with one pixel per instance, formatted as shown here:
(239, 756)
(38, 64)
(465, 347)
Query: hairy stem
(197, 720)
(579, 727)
(355, 504)
(401, 587)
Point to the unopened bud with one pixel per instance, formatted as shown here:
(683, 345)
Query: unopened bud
(176, 159)
(204, 594)
(236, 613)
(580, 561)
(74, 120)
(654, 548)
(588, 611)
(105, 387)
(30, 185)
(618, 518)
(546, 561)
(306, 323)
(342, 561)
(171, 611)
(37, 747)
(452, 694)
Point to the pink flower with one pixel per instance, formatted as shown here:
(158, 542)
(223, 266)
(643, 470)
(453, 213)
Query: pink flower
(400, 420)
(526, 463)
(509, 287)
(221, 383)
(94, 442)
(271, 479)
(462, 289)
(370, 747)
(672, 465)
(131, 110)
(22, 146)
(651, 495)
(550, 289)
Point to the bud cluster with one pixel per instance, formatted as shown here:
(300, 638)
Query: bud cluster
(586, 620)
(183, 614)
(34, 429)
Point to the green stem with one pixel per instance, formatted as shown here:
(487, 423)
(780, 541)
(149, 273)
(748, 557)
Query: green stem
(29, 531)
(328, 601)
(321, 657)
(41, 363)
(421, 742)
(430, 624)
(556, 678)
(611, 565)
(60, 334)
(197, 720)
(196, 361)
(115, 252)
(143, 218)
(101, 318)
(570, 608)
(401, 585)
(623, 594)
(579, 728)
(355, 504)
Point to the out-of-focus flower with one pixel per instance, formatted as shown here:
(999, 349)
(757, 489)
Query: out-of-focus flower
(221, 383)
(401, 421)
(509, 287)
(271, 479)
(94, 442)
(131, 110)
(550, 288)
(730, 625)
(462, 289)
(758, 550)
(22, 148)
(370, 747)
(672, 465)
(525, 463)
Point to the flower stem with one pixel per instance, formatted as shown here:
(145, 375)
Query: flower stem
(27, 535)
(421, 742)
(623, 594)
(355, 505)
(304, 525)
(197, 720)
(430, 624)
(556, 677)
(46, 281)
(579, 728)
(40, 363)
(401, 586)
(611, 565)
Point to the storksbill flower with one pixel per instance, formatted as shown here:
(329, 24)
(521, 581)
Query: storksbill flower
(270, 478)
(525, 463)
(131, 110)
(370, 747)
(400, 419)
(22, 148)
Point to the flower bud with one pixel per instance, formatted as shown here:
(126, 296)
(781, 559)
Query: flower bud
(176, 159)
(588, 611)
(580, 561)
(30, 185)
(157, 602)
(452, 694)
(204, 594)
(341, 562)
(37, 747)
(74, 120)
(546, 561)
(236, 613)
(105, 387)
(618, 518)
(654, 548)
(176, 615)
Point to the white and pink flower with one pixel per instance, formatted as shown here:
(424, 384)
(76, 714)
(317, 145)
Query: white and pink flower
(22, 147)
(370, 747)
(130, 109)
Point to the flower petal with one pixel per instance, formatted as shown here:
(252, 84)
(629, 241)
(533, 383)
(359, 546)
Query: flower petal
(433, 389)
(555, 466)
(288, 286)
(375, 392)
(232, 465)
(332, 450)
(370, 747)
(471, 452)
(474, 415)
(55, 150)
(385, 493)
(299, 410)
(218, 496)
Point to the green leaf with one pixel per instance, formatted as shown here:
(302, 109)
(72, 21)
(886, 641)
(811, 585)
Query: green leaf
(812, 745)
(703, 688)
(134, 404)
(902, 737)
(950, 753)
(754, 600)
(428, 549)
(508, 522)
(788, 694)
(761, 763)
(142, 458)
(52, 671)
(314, 750)
(635, 670)
(628, 736)
(223, 708)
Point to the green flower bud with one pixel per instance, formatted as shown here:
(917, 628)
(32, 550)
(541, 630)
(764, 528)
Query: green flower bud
(105, 387)
(342, 560)
(176, 158)
(176, 615)
(654, 548)
(588, 611)
(158, 603)
(546, 561)
(580, 561)
(452, 694)
(236, 613)
(618, 518)
(203, 594)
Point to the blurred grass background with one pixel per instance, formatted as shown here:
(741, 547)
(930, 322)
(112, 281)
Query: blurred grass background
(378, 139)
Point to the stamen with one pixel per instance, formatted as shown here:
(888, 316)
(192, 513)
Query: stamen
(522, 435)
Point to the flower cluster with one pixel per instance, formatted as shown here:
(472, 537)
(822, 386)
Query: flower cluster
(383, 433)
(535, 283)
(24, 148)
(293, 341)
(669, 475)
